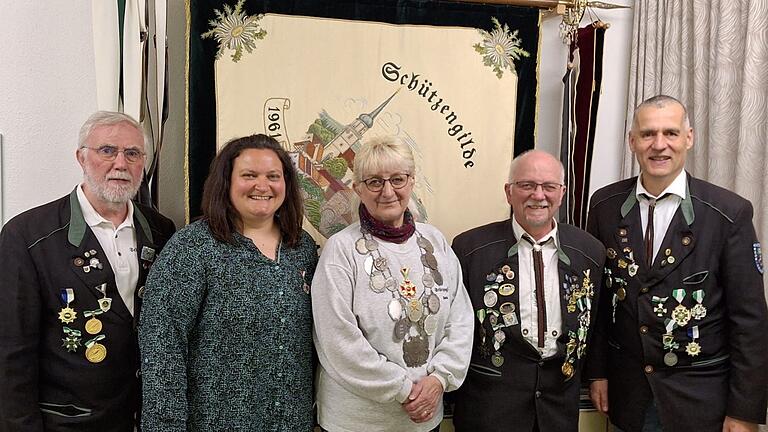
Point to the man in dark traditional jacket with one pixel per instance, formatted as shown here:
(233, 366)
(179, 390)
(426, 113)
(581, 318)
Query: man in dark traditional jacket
(534, 285)
(681, 341)
(71, 281)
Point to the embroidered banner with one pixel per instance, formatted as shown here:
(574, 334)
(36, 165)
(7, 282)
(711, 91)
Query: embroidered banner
(321, 82)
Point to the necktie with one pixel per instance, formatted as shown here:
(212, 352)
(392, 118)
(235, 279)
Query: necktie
(541, 306)
(649, 228)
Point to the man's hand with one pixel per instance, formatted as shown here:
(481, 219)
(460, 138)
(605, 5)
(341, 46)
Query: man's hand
(598, 392)
(422, 402)
(734, 425)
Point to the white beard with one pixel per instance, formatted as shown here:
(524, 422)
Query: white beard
(114, 194)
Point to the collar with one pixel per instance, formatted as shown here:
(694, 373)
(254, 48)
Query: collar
(93, 218)
(686, 205)
(77, 224)
(520, 232)
(677, 187)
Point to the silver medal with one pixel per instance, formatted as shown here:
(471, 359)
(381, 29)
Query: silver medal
(437, 277)
(380, 263)
(429, 261)
(433, 303)
(390, 284)
(368, 264)
(401, 329)
(430, 324)
(378, 282)
(425, 244)
(490, 298)
(395, 309)
(670, 359)
(428, 280)
(371, 245)
(360, 246)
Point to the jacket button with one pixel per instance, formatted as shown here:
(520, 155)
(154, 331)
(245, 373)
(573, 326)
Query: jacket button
(648, 369)
(538, 394)
(644, 289)
(644, 329)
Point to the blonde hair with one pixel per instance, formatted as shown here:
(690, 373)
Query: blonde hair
(380, 153)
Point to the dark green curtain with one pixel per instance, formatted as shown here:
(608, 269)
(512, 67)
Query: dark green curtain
(202, 108)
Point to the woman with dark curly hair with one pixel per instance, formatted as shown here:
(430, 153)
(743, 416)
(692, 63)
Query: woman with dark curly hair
(226, 326)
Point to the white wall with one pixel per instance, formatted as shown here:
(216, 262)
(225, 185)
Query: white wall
(609, 136)
(47, 90)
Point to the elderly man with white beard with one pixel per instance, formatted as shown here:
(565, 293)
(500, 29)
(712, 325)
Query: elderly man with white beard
(71, 280)
(534, 284)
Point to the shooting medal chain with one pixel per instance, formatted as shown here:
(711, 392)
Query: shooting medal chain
(407, 309)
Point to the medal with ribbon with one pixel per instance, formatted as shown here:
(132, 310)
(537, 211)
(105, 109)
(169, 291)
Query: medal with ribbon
(71, 340)
(658, 307)
(67, 315)
(680, 313)
(93, 325)
(105, 303)
(668, 341)
(94, 351)
(693, 348)
(698, 311)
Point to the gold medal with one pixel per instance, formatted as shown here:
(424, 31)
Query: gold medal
(621, 293)
(506, 289)
(693, 349)
(567, 370)
(67, 315)
(497, 359)
(681, 315)
(96, 353)
(93, 326)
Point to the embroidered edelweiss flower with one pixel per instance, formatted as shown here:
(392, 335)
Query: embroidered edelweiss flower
(234, 30)
(500, 48)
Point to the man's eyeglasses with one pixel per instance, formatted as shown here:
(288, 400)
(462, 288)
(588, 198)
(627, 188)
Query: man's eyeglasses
(397, 181)
(529, 186)
(109, 153)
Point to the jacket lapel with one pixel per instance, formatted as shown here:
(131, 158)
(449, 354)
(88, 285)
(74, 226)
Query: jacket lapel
(514, 333)
(677, 245)
(89, 262)
(146, 253)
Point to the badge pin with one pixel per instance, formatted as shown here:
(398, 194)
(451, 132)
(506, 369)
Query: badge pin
(147, 253)
(758, 253)
(105, 304)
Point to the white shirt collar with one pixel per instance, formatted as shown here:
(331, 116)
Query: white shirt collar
(520, 231)
(93, 218)
(677, 187)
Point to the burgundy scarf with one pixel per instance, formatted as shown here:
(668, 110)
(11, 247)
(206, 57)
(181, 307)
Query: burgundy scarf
(387, 232)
